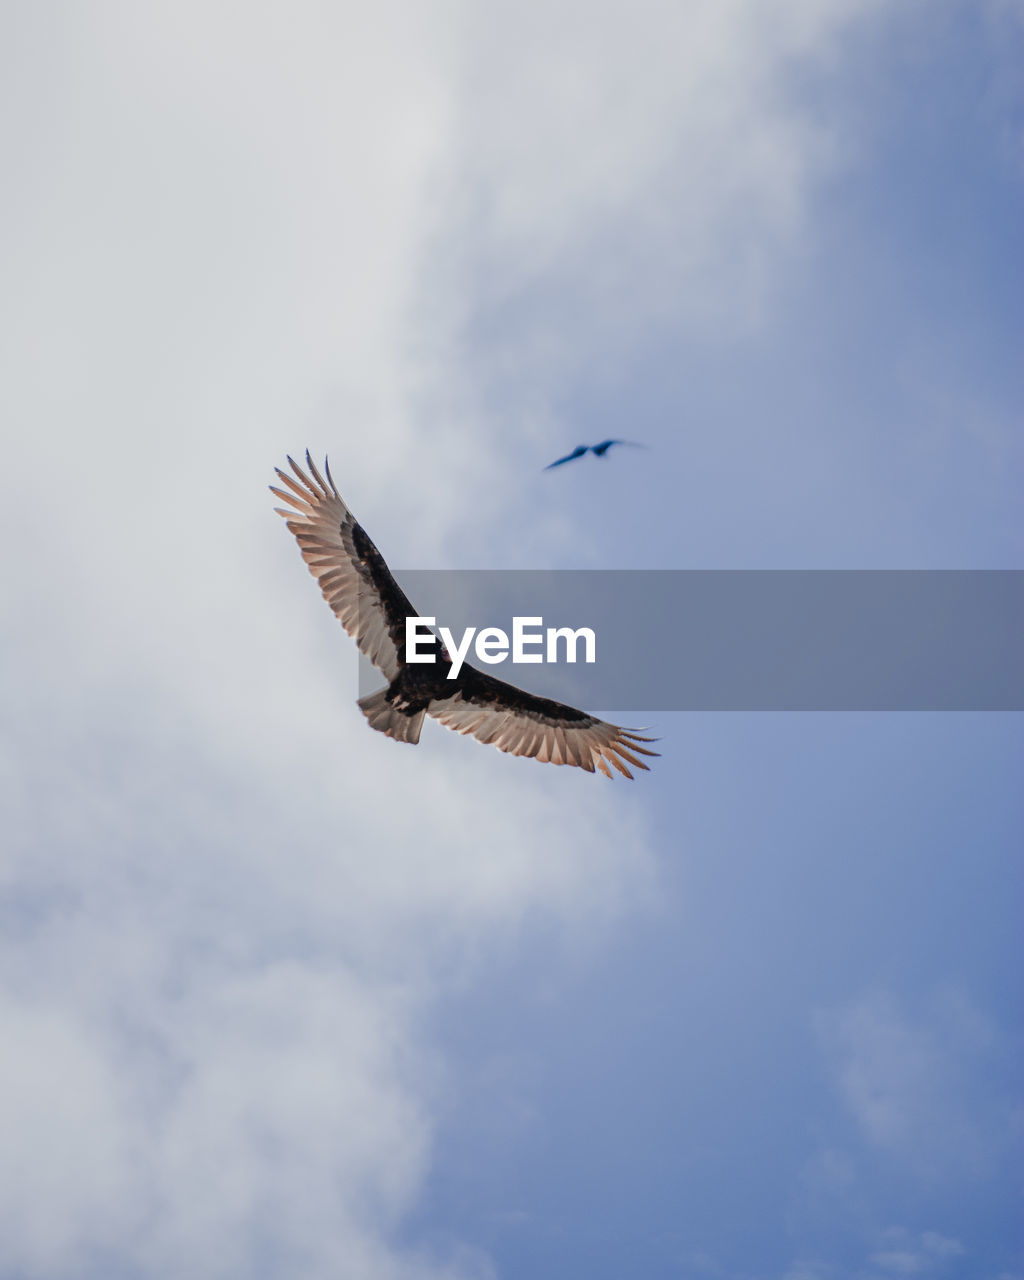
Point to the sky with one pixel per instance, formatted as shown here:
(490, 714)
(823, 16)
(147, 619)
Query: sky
(282, 998)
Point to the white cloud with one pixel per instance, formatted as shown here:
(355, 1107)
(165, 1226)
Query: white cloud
(624, 163)
(264, 1112)
(65, 1162)
(910, 1083)
(217, 994)
(898, 1261)
(937, 1245)
(909, 1254)
(902, 1080)
(593, 120)
(227, 906)
(808, 1270)
(901, 1253)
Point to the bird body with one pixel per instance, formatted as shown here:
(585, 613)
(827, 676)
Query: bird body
(599, 450)
(359, 587)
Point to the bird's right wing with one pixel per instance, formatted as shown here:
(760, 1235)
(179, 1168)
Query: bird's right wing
(524, 724)
(353, 577)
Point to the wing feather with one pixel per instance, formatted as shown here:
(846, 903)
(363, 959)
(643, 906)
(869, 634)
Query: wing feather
(523, 724)
(349, 569)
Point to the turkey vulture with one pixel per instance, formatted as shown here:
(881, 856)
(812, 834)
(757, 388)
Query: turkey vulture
(599, 450)
(372, 608)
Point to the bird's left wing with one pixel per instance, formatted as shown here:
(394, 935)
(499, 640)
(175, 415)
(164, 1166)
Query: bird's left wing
(353, 577)
(526, 725)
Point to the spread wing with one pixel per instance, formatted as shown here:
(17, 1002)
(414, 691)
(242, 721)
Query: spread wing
(578, 452)
(526, 725)
(353, 577)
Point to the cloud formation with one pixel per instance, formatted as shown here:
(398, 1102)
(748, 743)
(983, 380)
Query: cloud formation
(229, 911)
(903, 1080)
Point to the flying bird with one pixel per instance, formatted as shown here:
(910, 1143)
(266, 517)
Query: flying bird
(598, 449)
(372, 608)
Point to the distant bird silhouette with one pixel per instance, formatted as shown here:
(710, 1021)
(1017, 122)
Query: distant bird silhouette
(599, 449)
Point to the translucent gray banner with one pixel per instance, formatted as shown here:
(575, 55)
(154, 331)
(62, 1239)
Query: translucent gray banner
(777, 640)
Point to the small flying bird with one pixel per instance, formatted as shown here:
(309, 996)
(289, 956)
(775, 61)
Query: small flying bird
(599, 449)
(372, 608)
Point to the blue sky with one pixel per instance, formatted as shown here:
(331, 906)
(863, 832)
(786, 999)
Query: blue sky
(280, 998)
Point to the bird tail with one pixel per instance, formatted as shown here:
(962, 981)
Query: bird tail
(385, 717)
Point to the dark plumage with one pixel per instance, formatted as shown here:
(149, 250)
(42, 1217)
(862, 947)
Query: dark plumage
(599, 449)
(358, 586)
